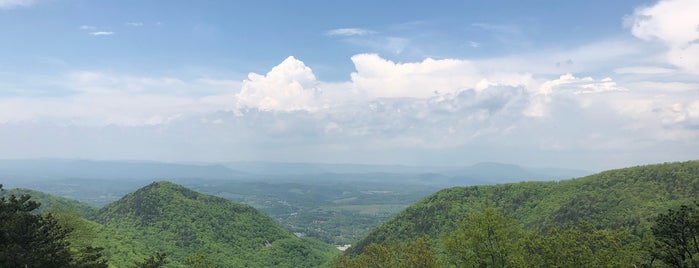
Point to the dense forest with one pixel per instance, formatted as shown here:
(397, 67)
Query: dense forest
(644, 216)
(640, 216)
(164, 223)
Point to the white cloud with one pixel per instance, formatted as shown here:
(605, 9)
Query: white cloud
(381, 78)
(87, 27)
(585, 85)
(9, 4)
(387, 106)
(102, 33)
(674, 23)
(568, 89)
(643, 70)
(100, 99)
(289, 86)
(134, 24)
(349, 32)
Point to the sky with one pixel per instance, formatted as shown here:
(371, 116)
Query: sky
(574, 84)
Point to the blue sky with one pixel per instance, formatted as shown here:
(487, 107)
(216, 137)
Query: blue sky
(584, 84)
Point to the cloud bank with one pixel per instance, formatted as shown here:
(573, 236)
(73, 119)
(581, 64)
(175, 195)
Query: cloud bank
(601, 104)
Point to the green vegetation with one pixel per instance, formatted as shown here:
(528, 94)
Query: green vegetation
(33, 240)
(49, 202)
(168, 218)
(677, 236)
(160, 225)
(607, 219)
(643, 216)
(337, 210)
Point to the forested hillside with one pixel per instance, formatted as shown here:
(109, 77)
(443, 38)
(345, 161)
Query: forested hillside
(624, 203)
(645, 216)
(168, 218)
(51, 202)
(167, 223)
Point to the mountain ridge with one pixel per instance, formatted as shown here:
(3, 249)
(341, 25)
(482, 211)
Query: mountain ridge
(624, 198)
(180, 222)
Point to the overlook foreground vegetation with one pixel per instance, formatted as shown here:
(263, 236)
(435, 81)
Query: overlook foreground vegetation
(635, 217)
(641, 216)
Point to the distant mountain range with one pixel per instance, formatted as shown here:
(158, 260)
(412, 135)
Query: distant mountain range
(59, 169)
(55, 169)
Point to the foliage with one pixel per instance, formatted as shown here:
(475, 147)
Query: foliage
(677, 235)
(171, 219)
(418, 254)
(486, 239)
(51, 202)
(154, 261)
(489, 238)
(334, 208)
(199, 260)
(583, 245)
(33, 240)
(600, 220)
(624, 199)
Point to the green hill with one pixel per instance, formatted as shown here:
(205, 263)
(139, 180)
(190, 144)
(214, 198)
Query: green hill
(624, 199)
(168, 218)
(51, 202)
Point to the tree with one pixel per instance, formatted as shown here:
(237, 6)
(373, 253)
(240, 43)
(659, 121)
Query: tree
(419, 254)
(677, 237)
(81, 238)
(29, 240)
(486, 239)
(583, 245)
(199, 260)
(154, 261)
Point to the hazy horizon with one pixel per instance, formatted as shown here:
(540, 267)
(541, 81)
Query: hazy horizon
(588, 85)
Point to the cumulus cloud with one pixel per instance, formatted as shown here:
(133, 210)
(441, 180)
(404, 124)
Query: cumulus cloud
(432, 104)
(381, 78)
(585, 85)
(289, 86)
(349, 32)
(675, 24)
(102, 33)
(568, 89)
(9, 4)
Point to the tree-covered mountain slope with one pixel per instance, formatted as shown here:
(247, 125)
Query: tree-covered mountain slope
(51, 202)
(623, 199)
(168, 218)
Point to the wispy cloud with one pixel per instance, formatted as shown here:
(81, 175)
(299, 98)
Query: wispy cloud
(9, 4)
(87, 27)
(349, 32)
(134, 24)
(101, 33)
